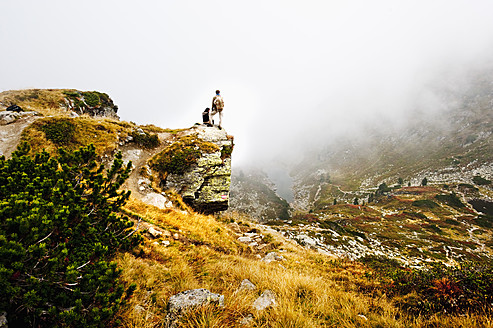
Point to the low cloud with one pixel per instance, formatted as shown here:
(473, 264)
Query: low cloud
(293, 74)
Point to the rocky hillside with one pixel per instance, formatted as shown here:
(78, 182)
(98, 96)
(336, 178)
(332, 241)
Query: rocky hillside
(452, 144)
(70, 101)
(253, 193)
(417, 193)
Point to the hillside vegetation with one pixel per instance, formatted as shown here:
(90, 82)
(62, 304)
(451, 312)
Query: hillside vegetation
(181, 249)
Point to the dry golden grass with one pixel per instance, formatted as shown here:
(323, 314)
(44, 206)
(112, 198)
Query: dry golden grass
(45, 101)
(104, 134)
(312, 290)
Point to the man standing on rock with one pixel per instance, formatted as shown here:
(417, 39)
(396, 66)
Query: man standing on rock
(217, 107)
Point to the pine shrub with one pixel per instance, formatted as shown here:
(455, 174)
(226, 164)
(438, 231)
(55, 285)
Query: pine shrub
(59, 227)
(60, 131)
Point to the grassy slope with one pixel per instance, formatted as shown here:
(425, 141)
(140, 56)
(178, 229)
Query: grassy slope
(313, 290)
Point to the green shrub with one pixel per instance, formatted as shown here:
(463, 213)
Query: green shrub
(226, 151)
(425, 203)
(451, 200)
(145, 140)
(59, 227)
(91, 99)
(436, 288)
(71, 94)
(382, 188)
(480, 181)
(484, 221)
(181, 155)
(60, 131)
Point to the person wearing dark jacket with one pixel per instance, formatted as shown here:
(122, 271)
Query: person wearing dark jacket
(206, 117)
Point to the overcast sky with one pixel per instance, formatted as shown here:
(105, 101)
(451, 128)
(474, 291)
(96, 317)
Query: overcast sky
(291, 72)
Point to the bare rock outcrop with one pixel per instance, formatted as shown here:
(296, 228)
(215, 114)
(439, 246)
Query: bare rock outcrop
(198, 166)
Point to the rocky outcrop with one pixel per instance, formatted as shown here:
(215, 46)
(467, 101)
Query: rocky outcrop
(90, 102)
(75, 102)
(198, 166)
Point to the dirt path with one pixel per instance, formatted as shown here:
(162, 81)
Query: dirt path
(139, 158)
(10, 134)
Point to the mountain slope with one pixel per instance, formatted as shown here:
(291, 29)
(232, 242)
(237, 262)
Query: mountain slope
(183, 249)
(449, 145)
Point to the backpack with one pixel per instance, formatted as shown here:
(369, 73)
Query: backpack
(218, 102)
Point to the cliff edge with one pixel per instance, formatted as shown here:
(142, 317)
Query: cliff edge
(194, 163)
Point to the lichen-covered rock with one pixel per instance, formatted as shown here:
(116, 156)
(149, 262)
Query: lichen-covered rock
(198, 167)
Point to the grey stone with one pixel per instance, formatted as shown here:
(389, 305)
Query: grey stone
(3, 320)
(187, 300)
(307, 241)
(8, 117)
(247, 285)
(267, 299)
(155, 233)
(140, 309)
(244, 239)
(272, 256)
(155, 199)
(246, 320)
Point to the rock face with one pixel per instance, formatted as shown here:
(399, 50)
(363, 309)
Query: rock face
(205, 184)
(76, 102)
(253, 193)
(93, 103)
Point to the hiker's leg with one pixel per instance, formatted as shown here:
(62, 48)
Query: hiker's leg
(221, 118)
(211, 117)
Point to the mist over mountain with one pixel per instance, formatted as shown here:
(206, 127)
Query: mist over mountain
(444, 135)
